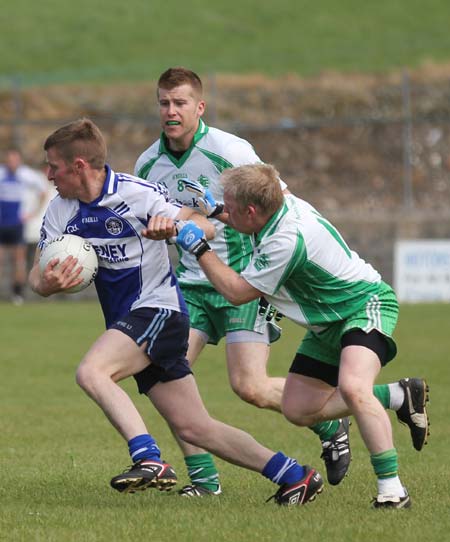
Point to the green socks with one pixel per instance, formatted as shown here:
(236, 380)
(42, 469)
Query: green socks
(325, 430)
(382, 393)
(202, 471)
(385, 464)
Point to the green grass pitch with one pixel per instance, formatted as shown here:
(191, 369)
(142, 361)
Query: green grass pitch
(100, 40)
(58, 452)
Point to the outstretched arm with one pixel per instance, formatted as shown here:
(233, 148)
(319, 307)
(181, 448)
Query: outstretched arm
(226, 281)
(162, 227)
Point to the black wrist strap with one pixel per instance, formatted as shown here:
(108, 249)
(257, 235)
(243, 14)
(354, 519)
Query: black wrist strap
(202, 248)
(217, 211)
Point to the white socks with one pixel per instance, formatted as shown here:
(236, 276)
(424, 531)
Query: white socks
(391, 486)
(397, 395)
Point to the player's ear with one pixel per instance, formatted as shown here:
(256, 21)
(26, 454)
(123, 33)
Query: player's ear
(79, 164)
(200, 108)
(251, 210)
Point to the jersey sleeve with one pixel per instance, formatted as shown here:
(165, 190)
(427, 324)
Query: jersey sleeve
(242, 153)
(160, 203)
(138, 165)
(273, 261)
(54, 222)
(146, 160)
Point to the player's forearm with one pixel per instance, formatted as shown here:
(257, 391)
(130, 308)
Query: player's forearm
(226, 281)
(186, 213)
(34, 280)
(206, 225)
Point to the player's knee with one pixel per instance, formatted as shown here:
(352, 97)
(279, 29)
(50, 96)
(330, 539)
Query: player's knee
(250, 393)
(294, 416)
(294, 411)
(84, 377)
(354, 393)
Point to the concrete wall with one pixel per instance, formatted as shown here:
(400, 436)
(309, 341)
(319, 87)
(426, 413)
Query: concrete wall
(373, 236)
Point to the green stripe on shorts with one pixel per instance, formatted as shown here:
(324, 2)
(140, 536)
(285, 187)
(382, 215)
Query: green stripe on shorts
(380, 312)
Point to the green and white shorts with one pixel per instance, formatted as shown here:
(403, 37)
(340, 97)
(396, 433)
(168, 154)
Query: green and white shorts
(379, 313)
(213, 315)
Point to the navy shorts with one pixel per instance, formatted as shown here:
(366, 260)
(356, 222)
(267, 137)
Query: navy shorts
(165, 334)
(11, 235)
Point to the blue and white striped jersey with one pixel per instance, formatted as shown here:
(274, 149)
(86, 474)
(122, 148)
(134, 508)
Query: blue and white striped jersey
(13, 187)
(134, 272)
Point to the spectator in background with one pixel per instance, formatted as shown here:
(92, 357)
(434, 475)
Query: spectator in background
(17, 179)
(35, 210)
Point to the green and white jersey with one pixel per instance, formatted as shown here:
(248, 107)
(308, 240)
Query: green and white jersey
(306, 270)
(211, 152)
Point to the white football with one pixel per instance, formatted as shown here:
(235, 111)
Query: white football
(72, 245)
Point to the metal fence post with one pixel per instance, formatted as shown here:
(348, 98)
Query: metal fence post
(18, 111)
(212, 102)
(408, 198)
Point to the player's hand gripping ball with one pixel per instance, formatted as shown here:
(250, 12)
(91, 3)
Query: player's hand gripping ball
(72, 245)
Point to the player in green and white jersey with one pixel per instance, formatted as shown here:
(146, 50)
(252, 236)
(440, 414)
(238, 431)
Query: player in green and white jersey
(188, 149)
(303, 266)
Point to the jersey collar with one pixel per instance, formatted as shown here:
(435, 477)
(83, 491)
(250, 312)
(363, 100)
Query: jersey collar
(110, 184)
(271, 224)
(202, 130)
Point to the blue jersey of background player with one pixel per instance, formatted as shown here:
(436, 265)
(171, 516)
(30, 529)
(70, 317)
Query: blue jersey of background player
(17, 181)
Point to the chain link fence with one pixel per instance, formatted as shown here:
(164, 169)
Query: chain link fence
(371, 153)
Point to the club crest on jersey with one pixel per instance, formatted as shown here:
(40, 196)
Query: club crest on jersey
(203, 180)
(114, 226)
(262, 262)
